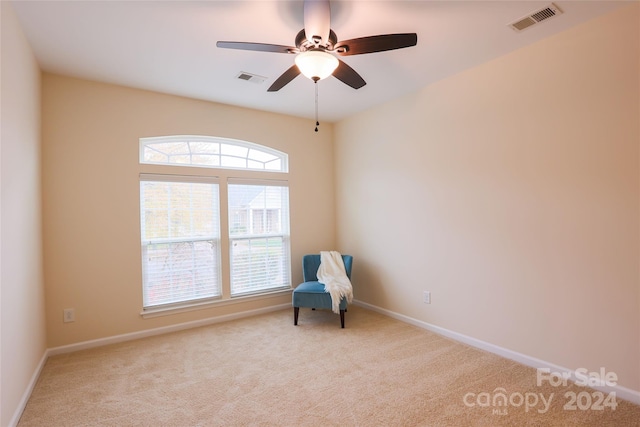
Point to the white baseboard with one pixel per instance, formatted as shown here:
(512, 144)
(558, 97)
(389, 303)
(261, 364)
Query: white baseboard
(162, 330)
(625, 393)
(27, 393)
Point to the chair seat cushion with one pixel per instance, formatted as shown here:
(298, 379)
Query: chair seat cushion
(312, 294)
(311, 287)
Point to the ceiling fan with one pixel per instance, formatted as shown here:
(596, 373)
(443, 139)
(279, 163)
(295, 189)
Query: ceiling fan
(316, 47)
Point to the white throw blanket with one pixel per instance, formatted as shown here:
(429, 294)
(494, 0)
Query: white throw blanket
(332, 273)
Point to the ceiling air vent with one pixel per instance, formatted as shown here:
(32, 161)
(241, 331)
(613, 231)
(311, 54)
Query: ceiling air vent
(536, 17)
(253, 78)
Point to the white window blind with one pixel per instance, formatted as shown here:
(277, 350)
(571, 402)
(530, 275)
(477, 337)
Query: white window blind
(259, 236)
(179, 218)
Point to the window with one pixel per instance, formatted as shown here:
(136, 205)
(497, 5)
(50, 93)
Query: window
(180, 239)
(206, 151)
(258, 236)
(180, 217)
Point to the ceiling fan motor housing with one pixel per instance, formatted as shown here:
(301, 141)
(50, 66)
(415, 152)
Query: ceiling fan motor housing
(303, 44)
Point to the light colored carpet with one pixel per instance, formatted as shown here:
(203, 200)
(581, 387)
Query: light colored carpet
(263, 371)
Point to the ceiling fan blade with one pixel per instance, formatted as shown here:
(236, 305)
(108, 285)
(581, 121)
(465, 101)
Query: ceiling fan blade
(285, 78)
(260, 47)
(348, 76)
(373, 44)
(317, 21)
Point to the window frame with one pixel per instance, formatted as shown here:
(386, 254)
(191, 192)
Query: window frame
(224, 177)
(284, 233)
(145, 243)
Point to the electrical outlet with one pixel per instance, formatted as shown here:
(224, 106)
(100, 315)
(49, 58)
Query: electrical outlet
(69, 315)
(426, 297)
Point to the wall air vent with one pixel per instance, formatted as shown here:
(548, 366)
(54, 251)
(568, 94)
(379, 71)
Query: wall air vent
(536, 17)
(253, 78)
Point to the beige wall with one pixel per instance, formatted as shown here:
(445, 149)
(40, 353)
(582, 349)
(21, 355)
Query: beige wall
(511, 192)
(91, 197)
(21, 287)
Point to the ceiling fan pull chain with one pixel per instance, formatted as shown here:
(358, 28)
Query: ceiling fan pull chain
(317, 122)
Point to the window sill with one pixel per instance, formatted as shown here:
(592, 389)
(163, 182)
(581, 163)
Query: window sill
(183, 308)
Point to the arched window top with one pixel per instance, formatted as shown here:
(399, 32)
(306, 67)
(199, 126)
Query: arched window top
(211, 152)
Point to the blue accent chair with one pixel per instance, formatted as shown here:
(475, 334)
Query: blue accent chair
(311, 293)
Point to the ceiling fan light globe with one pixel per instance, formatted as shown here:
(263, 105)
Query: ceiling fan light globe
(316, 64)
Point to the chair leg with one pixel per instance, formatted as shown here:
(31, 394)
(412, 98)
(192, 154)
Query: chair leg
(342, 318)
(296, 310)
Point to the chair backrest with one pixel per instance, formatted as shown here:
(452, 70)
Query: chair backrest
(310, 264)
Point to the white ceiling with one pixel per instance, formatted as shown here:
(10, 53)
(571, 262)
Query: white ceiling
(170, 46)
